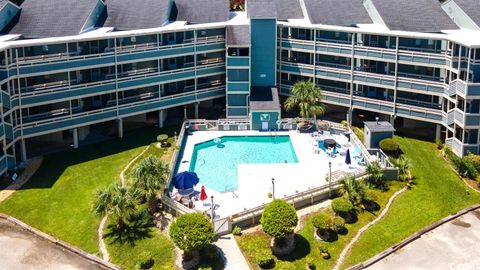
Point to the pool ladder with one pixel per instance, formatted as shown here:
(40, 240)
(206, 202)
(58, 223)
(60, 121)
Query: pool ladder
(230, 188)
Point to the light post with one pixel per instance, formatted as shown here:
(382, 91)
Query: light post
(330, 179)
(213, 213)
(175, 137)
(273, 188)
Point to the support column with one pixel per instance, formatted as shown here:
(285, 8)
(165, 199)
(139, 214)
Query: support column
(350, 116)
(75, 138)
(185, 112)
(23, 148)
(197, 105)
(392, 120)
(120, 127)
(438, 132)
(161, 118)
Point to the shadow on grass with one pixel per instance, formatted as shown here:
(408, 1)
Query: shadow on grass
(139, 226)
(302, 249)
(55, 164)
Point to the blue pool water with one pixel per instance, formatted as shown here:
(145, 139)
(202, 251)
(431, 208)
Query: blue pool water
(216, 163)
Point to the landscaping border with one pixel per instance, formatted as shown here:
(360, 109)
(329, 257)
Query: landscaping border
(412, 238)
(89, 257)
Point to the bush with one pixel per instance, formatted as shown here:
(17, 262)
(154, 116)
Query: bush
(341, 205)
(439, 144)
(162, 138)
(192, 231)
(146, 261)
(237, 230)
(264, 258)
(322, 221)
(474, 159)
(338, 223)
(279, 219)
(389, 146)
(376, 176)
(464, 166)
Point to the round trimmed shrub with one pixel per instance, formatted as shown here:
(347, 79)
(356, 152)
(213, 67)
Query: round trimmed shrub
(192, 232)
(162, 139)
(389, 145)
(279, 219)
(264, 258)
(342, 205)
(322, 221)
(338, 223)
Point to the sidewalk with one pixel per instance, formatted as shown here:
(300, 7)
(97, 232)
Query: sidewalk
(234, 259)
(31, 167)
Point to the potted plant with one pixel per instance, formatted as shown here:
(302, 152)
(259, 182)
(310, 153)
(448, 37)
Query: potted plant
(324, 252)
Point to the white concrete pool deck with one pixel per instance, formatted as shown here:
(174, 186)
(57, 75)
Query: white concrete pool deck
(254, 180)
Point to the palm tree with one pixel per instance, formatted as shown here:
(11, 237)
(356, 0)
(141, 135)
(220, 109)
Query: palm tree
(403, 165)
(149, 176)
(307, 98)
(376, 175)
(115, 200)
(353, 189)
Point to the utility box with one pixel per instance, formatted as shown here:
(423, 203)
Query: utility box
(375, 131)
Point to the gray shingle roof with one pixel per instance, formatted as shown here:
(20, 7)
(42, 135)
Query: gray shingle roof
(414, 15)
(136, 14)
(264, 98)
(200, 11)
(238, 35)
(337, 12)
(472, 8)
(380, 126)
(283, 9)
(52, 18)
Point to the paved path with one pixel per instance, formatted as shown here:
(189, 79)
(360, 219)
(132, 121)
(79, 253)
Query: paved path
(23, 250)
(30, 169)
(234, 259)
(454, 245)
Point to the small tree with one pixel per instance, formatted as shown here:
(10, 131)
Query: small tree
(341, 206)
(338, 223)
(191, 232)
(162, 139)
(323, 223)
(149, 176)
(403, 165)
(353, 189)
(279, 219)
(115, 200)
(376, 175)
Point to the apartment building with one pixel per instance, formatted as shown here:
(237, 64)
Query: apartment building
(68, 65)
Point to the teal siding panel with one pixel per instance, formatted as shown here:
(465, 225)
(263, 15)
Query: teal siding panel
(211, 70)
(91, 90)
(173, 52)
(294, 45)
(237, 111)
(473, 90)
(297, 69)
(238, 62)
(238, 86)
(264, 43)
(211, 47)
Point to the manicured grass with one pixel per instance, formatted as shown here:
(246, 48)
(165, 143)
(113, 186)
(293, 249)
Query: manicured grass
(438, 192)
(58, 198)
(307, 245)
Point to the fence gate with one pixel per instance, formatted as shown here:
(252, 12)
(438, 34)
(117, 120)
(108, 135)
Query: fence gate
(222, 225)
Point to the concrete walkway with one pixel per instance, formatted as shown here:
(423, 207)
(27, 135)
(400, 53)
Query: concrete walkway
(453, 245)
(234, 259)
(31, 167)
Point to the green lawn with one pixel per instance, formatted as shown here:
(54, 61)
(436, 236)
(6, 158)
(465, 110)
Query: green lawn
(57, 200)
(438, 192)
(307, 245)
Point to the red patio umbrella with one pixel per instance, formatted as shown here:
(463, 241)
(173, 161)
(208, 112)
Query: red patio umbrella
(203, 194)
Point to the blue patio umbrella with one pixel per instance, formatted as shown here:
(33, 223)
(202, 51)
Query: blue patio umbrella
(348, 159)
(185, 180)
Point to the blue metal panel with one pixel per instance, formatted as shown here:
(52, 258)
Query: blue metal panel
(297, 69)
(237, 111)
(210, 71)
(367, 79)
(173, 52)
(238, 61)
(264, 49)
(89, 90)
(294, 45)
(210, 47)
(473, 90)
(338, 50)
(375, 54)
(424, 87)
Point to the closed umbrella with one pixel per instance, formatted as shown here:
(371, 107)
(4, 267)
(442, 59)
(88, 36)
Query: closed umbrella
(203, 194)
(185, 180)
(348, 159)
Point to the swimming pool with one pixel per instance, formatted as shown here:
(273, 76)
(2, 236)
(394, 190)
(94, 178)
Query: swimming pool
(215, 161)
